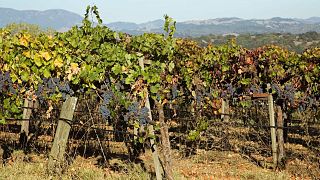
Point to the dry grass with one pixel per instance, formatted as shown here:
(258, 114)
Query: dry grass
(33, 167)
(203, 165)
(224, 165)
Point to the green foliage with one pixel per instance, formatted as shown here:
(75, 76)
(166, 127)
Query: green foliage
(35, 30)
(293, 42)
(95, 59)
(195, 134)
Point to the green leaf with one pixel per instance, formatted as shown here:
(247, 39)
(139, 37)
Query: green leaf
(38, 61)
(225, 68)
(155, 88)
(25, 76)
(46, 73)
(141, 139)
(127, 56)
(245, 81)
(14, 108)
(193, 135)
(14, 77)
(3, 120)
(129, 79)
(169, 78)
(152, 136)
(245, 104)
(171, 66)
(116, 69)
(308, 79)
(6, 103)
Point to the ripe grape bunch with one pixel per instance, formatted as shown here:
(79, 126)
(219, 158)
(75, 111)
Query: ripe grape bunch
(6, 84)
(107, 96)
(138, 113)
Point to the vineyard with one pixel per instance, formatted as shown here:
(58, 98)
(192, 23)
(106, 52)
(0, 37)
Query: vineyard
(90, 88)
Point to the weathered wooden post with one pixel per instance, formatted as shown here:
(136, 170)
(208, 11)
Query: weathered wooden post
(56, 157)
(24, 131)
(165, 141)
(154, 149)
(280, 137)
(225, 110)
(273, 130)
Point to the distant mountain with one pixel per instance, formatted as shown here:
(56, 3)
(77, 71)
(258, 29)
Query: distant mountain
(57, 19)
(313, 20)
(62, 20)
(222, 26)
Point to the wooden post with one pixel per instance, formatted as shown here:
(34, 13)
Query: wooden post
(135, 133)
(24, 132)
(56, 157)
(225, 110)
(281, 164)
(273, 130)
(154, 149)
(286, 117)
(165, 141)
(193, 103)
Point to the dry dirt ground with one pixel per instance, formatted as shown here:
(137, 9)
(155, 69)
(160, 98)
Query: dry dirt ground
(205, 165)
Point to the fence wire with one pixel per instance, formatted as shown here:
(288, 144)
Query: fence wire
(247, 132)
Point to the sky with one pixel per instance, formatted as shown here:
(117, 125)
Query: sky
(139, 11)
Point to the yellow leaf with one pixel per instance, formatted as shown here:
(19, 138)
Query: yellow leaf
(58, 74)
(69, 77)
(22, 90)
(5, 67)
(74, 68)
(27, 54)
(45, 55)
(24, 40)
(193, 93)
(58, 62)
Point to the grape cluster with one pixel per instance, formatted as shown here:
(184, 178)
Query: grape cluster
(65, 89)
(230, 89)
(302, 107)
(105, 112)
(6, 83)
(133, 111)
(288, 93)
(144, 116)
(255, 89)
(174, 91)
(199, 97)
(1, 82)
(133, 108)
(50, 86)
(107, 96)
(141, 113)
(39, 91)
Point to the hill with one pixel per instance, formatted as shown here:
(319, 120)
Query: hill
(57, 19)
(62, 20)
(223, 26)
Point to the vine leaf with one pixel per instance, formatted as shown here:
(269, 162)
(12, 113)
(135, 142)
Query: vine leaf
(171, 66)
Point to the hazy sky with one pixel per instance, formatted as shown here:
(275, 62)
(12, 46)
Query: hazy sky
(180, 10)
